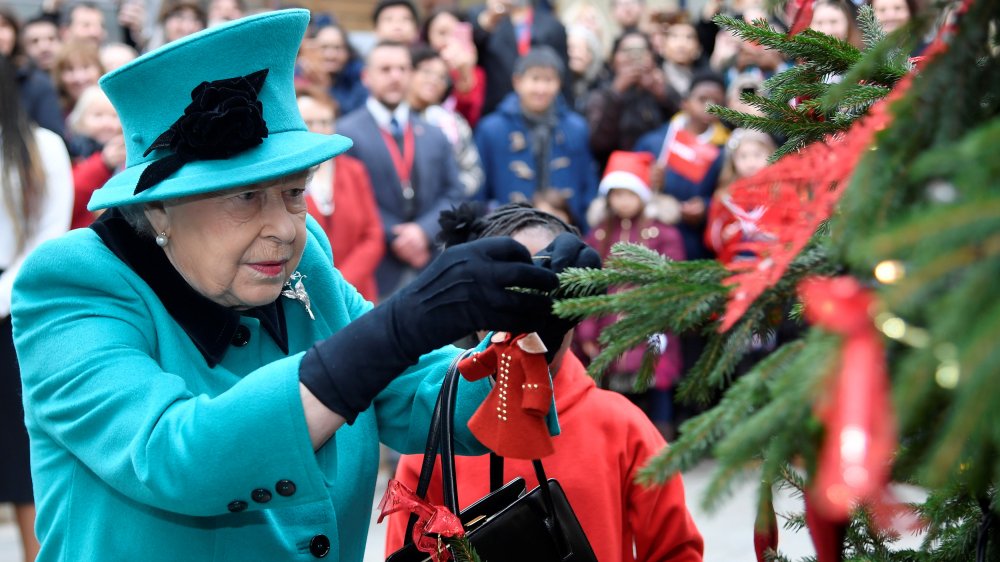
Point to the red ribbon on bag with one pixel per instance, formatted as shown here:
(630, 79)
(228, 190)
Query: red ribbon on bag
(433, 521)
(856, 455)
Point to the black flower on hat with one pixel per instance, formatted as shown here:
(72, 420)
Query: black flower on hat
(224, 118)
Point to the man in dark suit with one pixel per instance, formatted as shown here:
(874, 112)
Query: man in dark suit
(410, 162)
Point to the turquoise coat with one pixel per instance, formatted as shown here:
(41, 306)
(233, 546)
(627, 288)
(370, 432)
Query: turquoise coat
(138, 447)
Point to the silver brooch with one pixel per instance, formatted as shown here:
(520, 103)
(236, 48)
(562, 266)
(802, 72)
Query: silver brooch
(296, 291)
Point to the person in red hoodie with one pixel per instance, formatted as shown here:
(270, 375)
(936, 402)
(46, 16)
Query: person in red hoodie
(604, 441)
(340, 198)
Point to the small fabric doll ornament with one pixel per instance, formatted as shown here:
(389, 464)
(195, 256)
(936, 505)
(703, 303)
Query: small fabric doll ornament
(511, 421)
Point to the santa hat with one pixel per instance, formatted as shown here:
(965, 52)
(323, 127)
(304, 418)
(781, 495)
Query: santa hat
(628, 170)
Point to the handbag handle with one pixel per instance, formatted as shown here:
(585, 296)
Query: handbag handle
(442, 428)
(434, 432)
(449, 481)
(496, 482)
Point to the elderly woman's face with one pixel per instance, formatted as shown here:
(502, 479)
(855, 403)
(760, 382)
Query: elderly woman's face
(237, 247)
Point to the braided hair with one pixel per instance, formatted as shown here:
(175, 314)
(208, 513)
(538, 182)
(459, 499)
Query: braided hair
(467, 222)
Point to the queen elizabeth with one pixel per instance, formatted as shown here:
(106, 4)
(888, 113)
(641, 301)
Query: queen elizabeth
(200, 383)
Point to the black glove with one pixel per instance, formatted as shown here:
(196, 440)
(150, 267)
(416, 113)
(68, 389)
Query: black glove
(565, 251)
(467, 288)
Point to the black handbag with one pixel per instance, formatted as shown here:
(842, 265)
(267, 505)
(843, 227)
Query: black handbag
(507, 524)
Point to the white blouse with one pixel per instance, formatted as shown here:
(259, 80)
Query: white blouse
(56, 211)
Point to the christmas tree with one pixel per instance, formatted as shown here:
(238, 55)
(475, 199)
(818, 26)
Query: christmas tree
(883, 244)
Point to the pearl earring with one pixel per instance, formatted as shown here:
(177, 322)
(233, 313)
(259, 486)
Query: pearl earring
(161, 240)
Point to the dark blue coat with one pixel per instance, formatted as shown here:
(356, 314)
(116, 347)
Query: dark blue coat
(502, 138)
(348, 90)
(39, 99)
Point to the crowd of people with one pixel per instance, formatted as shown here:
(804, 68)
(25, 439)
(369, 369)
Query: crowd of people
(598, 117)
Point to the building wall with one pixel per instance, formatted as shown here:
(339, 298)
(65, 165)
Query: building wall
(355, 15)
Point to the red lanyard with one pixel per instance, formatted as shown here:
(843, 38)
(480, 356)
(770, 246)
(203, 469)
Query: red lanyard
(524, 37)
(403, 162)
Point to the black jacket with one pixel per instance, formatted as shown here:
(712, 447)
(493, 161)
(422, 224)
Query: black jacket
(39, 99)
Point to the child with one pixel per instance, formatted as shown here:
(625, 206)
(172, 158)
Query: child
(96, 138)
(604, 441)
(629, 218)
(533, 141)
(836, 18)
(688, 153)
(731, 214)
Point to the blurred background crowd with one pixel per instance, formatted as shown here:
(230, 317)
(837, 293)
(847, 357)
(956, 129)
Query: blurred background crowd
(593, 110)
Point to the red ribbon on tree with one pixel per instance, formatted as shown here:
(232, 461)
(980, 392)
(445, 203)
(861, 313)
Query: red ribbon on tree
(827, 535)
(765, 528)
(803, 16)
(433, 521)
(856, 455)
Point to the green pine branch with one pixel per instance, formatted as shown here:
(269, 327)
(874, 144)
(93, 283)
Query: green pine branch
(809, 45)
(924, 196)
(804, 104)
(462, 548)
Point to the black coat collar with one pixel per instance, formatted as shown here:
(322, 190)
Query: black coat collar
(210, 326)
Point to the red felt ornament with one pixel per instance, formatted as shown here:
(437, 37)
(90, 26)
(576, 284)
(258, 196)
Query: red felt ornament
(827, 535)
(856, 455)
(434, 522)
(511, 421)
(765, 527)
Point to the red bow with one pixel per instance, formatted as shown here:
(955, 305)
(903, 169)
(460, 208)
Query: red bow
(431, 519)
(860, 433)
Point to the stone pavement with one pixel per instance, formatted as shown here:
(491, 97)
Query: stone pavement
(728, 532)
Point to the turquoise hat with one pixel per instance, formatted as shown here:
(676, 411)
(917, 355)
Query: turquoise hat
(240, 128)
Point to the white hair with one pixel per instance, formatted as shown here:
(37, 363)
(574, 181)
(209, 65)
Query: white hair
(87, 98)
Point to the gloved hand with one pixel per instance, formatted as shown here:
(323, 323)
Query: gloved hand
(467, 288)
(565, 251)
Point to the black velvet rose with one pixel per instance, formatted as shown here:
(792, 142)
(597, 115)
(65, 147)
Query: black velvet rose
(224, 118)
(460, 224)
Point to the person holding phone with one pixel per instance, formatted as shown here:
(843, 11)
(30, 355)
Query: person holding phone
(634, 103)
(447, 32)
